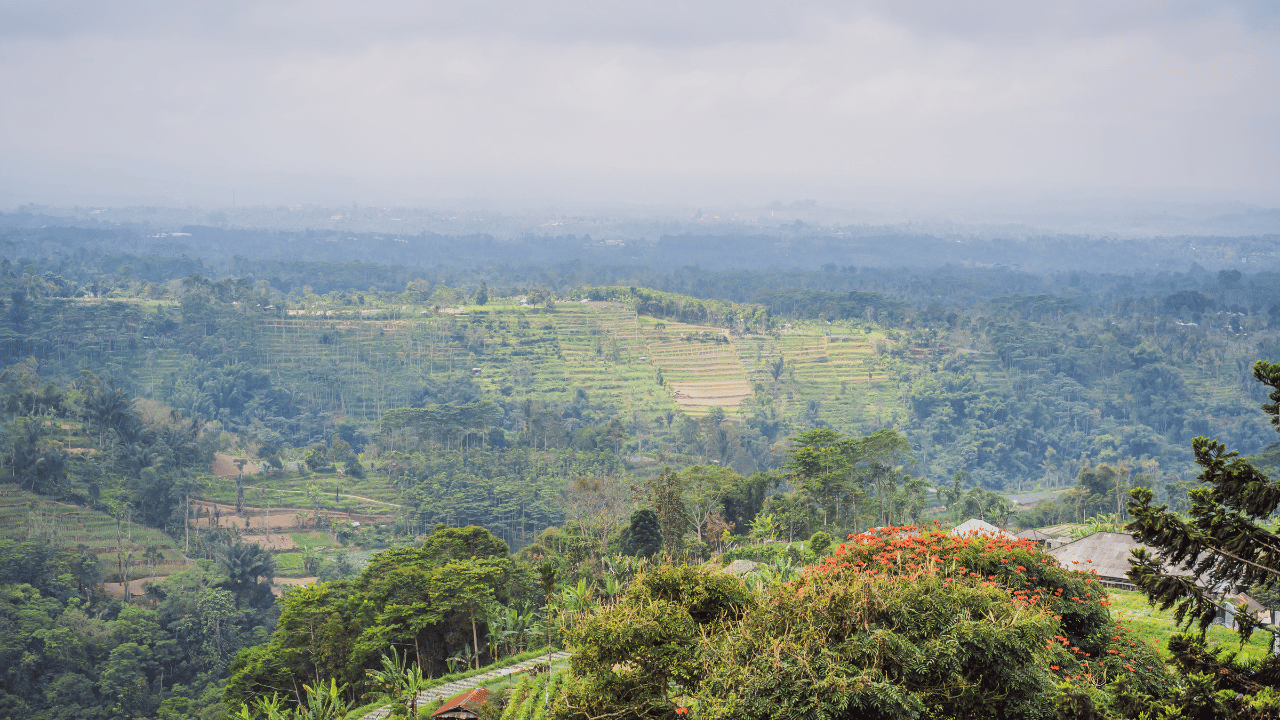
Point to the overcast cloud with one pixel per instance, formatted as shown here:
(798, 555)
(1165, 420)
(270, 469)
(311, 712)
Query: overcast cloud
(639, 102)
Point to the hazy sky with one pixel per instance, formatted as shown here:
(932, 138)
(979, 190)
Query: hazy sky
(658, 101)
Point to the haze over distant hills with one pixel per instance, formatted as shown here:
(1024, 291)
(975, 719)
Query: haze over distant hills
(943, 216)
(1120, 237)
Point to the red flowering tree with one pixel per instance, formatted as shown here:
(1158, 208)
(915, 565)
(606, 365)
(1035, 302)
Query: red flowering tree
(900, 624)
(896, 624)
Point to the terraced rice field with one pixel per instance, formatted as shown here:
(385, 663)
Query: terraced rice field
(369, 499)
(700, 372)
(24, 516)
(606, 353)
(831, 374)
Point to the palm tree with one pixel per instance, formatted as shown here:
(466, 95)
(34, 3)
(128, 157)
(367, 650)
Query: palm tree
(245, 565)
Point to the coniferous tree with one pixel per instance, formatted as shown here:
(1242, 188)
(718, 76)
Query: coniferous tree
(1219, 548)
(643, 537)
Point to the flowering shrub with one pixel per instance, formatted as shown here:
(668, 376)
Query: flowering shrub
(900, 623)
(896, 623)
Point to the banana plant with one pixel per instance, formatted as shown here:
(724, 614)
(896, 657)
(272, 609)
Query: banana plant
(612, 589)
(323, 703)
(398, 682)
(579, 598)
(263, 708)
(461, 659)
(520, 620)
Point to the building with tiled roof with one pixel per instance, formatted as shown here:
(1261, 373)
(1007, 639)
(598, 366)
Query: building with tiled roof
(463, 705)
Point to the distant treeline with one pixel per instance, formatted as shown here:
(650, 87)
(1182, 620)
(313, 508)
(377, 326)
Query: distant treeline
(793, 247)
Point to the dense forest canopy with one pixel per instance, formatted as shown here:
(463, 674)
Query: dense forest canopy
(218, 410)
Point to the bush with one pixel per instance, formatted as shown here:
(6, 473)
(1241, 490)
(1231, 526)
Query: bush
(893, 624)
(819, 543)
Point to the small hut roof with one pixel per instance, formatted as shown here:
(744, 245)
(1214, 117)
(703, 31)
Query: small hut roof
(1042, 536)
(978, 527)
(741, 567)
(471, 700)
(1254, 606)
(1106, 553)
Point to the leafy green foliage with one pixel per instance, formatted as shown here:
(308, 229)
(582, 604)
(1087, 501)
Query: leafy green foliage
(1220, 544)
(895, 625)
(629, 654)
(426, 602)
(643, 536)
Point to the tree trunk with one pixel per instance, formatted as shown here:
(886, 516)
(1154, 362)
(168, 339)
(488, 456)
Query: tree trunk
(475, 641)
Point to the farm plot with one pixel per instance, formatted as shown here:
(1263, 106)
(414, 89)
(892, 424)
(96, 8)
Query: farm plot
(27, 517)
(293, 500)
(833, 375)
(606, 355)
(700, 366)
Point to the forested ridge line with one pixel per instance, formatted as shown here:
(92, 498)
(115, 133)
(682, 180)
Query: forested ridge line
(1086, 366)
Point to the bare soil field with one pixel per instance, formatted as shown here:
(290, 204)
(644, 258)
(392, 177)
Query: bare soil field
(281, 519)
(224, 466)
(116, 590)
(722, 393)
(278, 519)
(280, 583)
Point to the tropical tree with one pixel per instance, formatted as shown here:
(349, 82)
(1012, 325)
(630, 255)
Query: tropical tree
(468, 586)
(37, 459)
(631, 655)
(665, 495)
(704, 489)
(643, 536)
(397, 682)
(819, 461)
(1221, 544)
(246, 566)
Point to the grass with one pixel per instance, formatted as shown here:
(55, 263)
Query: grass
(1158, 626)
(288, 563)
(313, 540)
(367, 498)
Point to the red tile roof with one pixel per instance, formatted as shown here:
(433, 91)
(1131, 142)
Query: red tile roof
(469, 700)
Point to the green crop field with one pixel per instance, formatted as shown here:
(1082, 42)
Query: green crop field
(363, 362)
(1156, 626)
(370, 497)
(312, 540)
(831, 372)
(24, 517)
